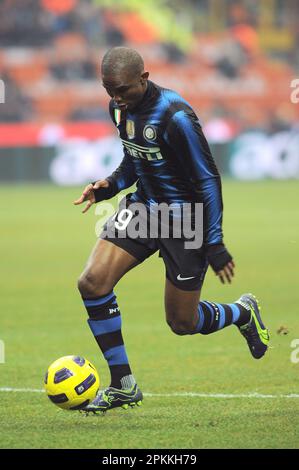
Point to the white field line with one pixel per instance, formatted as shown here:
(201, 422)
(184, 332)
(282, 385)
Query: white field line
(177, 394)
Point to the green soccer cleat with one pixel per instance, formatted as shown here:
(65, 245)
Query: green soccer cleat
(114, 398)
(255, 332)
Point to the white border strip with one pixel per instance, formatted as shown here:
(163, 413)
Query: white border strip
(178, 394)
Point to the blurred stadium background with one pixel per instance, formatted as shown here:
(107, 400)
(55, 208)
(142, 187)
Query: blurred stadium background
(234, 61)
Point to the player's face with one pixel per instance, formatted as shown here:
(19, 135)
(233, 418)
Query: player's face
(125, 91)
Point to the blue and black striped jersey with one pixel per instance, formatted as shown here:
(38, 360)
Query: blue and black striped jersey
(166, 153)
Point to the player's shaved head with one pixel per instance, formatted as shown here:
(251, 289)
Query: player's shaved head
(122, 61)
(123, 76)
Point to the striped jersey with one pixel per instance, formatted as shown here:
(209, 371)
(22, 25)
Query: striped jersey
(167, 155)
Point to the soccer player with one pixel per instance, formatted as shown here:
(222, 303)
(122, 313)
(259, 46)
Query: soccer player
(167, 155)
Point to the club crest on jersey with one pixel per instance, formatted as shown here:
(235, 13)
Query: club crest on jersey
(149, 133)
(130, 128)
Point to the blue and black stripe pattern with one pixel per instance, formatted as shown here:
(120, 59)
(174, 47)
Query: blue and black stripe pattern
(105, 324)
(213, 316)
(167, 154)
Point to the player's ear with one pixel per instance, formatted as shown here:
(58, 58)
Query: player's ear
(144, 77)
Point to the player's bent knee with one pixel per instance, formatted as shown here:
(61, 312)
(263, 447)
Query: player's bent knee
(179, 332)
(90, 285)
(86, 286)
(182, 328)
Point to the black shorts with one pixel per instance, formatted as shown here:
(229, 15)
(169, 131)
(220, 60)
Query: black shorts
(185, 267)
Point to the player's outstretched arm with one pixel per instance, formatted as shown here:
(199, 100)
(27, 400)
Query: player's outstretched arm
(91, 194)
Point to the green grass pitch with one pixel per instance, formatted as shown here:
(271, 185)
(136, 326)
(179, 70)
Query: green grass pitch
(45, 241)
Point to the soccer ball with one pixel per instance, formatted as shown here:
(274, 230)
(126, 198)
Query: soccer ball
(71, 382)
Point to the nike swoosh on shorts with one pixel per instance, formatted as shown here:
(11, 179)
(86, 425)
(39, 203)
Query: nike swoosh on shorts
(179, 278)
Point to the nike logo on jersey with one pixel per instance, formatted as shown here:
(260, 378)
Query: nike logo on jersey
(180, 278)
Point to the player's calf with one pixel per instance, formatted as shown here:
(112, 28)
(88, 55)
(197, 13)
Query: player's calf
(208, 317)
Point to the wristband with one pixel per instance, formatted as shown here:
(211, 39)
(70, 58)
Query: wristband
(101, 194)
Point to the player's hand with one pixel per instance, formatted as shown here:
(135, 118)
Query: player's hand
(227, 273)
(89, 195)
(221, 262)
